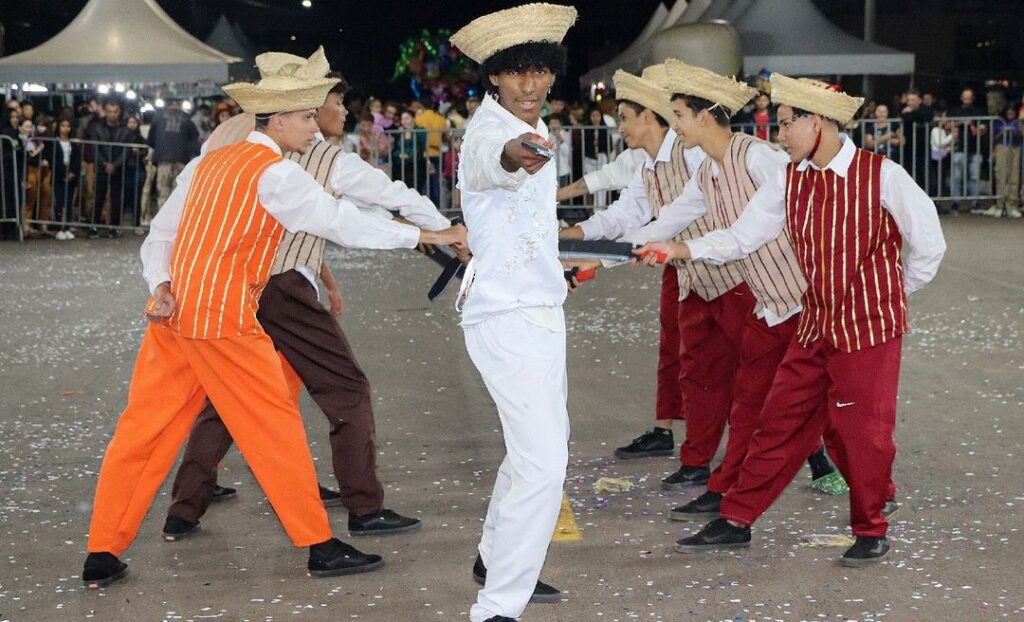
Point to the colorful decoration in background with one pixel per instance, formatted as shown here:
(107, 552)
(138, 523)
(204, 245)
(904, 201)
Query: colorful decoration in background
(433, 67)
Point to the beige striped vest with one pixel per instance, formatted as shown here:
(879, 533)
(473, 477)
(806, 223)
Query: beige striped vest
(663, 185)
(772, 271)
(301, 248)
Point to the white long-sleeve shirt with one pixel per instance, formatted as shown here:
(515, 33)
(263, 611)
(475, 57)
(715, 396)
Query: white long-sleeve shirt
(618, 173)
(513, 225)
(632, 209)
(764, 164)
(294, 199)
(911, 208)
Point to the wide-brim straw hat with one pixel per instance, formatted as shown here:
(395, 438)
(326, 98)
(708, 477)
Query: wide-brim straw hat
(644, 92)
(287, 83)
(694, 81)
(814, 96)
(531, 23)
(657, 74)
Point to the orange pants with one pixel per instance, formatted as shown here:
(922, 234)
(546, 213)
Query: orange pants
(243, 378)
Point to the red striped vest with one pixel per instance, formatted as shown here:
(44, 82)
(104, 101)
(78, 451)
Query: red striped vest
(225, 247)
(663, 185)
(849, 247)
(771, 272)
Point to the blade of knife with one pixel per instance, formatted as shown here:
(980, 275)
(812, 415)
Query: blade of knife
(452, 270)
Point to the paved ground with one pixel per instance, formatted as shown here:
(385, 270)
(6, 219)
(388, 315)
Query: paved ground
(70, 324)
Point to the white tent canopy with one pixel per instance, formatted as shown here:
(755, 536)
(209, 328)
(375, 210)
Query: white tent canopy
(119, 41)
(789, 36)
(794, 38)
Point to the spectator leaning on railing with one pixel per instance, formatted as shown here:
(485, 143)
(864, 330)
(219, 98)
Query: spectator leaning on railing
(966, 161)
(1006, 134)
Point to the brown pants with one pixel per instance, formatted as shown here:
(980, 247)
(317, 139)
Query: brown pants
(312, 342)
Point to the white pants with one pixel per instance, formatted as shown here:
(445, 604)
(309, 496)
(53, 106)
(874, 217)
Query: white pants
(523, 365)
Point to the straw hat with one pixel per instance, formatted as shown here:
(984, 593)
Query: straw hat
(644, 92)
(814, 96)
(657, 74)
(287, 83)
(530, 23)
(699, 82)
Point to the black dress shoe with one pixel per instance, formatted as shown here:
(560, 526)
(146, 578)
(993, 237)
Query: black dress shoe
(706, 506)
(500, 619)
(686, 476)
(221, 493)
(102, 569)
(718, 534)
(865, 551)
(381, 523)
(657, 442)
(331, 498)
(334, 558)
(176, 528)
(542, 593)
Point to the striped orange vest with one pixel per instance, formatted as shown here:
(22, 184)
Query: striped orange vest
(771, 272)
(225, 247)
(850, 249)
(663, 185)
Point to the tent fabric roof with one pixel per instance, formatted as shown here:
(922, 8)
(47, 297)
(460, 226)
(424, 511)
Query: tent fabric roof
(788, 36)
(794, 38)
(119, 40)
(230, 39)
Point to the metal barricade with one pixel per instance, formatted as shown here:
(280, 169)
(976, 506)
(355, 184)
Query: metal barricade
(86, 186)
(11, 190)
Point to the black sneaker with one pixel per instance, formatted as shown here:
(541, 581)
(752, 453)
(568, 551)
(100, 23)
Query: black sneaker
(102, 569)
(890, 508)
(706, 506)
(222, 493)
(865, 551)
(381, 523)
(331, 498)
(657, 442)
(335, 558)
(716, 535)
(686, 476)
(500, 619)
(177, 528)
(542, 593)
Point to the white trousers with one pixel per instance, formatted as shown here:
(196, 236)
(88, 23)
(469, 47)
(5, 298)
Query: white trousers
(523, 365)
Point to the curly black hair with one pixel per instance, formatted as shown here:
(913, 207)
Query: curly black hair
(532, 55)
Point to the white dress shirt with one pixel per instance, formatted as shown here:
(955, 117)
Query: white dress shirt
(632, 209)
(294, 199)
(765, 166)
(911, 208)
(617, 174)
(513, 225)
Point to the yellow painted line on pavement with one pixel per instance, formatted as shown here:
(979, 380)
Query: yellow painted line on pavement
(566, 529)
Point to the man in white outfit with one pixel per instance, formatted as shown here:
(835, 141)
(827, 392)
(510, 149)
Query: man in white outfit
(512, 296)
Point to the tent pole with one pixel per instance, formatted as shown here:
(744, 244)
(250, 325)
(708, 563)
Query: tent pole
(869, 37)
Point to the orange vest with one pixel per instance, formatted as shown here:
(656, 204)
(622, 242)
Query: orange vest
(225, 247)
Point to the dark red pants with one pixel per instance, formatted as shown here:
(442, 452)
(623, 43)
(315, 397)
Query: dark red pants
(669, 403)
(761, 350)
(311, 340)
(858, 390)
(710, 336)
